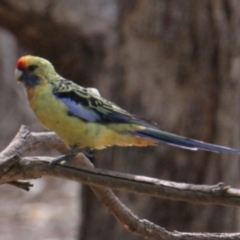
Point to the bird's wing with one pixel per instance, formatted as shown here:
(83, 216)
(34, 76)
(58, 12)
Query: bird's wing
(88, 105)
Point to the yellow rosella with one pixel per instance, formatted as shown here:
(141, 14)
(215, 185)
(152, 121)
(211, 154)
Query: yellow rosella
(83, 119)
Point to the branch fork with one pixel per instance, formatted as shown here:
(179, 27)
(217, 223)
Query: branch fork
(14, 168)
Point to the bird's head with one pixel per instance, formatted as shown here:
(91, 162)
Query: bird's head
(34, 71)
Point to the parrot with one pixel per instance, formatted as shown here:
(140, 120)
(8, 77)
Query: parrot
(83, 119)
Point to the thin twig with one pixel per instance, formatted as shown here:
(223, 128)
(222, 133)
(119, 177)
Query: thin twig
(23, 185)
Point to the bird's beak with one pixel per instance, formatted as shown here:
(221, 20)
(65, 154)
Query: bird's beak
(18, 74)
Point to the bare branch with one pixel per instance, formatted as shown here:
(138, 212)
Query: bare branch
(14, 168)
(36, 167)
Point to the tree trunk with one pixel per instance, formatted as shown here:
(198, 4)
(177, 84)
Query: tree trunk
(176, 63)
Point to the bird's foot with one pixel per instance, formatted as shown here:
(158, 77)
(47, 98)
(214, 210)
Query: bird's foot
(62, 158)
(88, 153)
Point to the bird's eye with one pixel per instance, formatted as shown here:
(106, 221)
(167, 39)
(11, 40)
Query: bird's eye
(32, 67)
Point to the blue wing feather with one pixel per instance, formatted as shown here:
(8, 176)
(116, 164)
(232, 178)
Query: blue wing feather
(79, 111)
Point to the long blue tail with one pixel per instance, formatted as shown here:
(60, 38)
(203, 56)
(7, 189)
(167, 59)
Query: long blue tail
(183, 142)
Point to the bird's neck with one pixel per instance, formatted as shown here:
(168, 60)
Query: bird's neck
(38, 92)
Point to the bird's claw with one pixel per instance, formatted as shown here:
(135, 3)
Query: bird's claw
(61, 158)
(87, 152)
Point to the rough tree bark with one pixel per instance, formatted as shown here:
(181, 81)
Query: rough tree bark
(175, 62)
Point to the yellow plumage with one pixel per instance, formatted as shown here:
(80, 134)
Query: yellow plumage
(75, 132)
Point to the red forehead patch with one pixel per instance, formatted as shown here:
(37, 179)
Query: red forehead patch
(21, 65)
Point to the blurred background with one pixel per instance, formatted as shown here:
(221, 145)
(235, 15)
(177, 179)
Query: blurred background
(174, 62)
